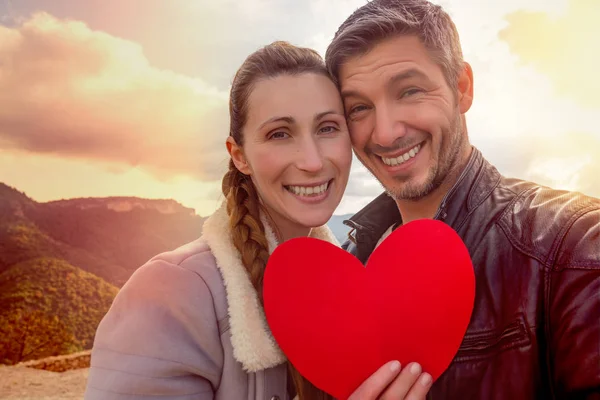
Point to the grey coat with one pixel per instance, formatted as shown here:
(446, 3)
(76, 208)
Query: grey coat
(188, 325)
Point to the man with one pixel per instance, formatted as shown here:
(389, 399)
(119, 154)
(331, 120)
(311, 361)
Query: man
(535, 329)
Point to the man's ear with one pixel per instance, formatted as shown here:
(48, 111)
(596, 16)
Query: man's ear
(237, 155)
(465, 88)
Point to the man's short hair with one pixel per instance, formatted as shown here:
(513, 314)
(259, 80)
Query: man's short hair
(382, 19)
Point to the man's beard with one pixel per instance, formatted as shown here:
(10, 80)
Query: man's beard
(450, 148)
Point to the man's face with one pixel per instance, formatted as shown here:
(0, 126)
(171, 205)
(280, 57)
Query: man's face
(405, 121)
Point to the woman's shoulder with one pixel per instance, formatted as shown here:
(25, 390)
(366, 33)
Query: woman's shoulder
(164, 323)
(192, 259)
(193, 255)
(176, 279)
(176, 291)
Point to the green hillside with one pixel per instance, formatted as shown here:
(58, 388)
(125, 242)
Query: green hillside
(48, 308)
(62, 262)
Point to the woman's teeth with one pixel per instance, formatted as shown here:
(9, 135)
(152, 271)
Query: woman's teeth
(403, 157)
(308, 190)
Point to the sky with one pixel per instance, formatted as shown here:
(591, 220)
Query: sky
(113, 98)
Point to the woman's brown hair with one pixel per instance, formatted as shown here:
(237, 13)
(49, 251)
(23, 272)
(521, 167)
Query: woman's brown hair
(243, 206)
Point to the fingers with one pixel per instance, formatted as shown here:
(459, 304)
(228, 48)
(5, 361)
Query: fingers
(376, 383)
(411, 384)
(419, 390)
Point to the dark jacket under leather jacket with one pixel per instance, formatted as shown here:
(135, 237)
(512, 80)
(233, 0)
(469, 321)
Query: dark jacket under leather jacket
(535, 329)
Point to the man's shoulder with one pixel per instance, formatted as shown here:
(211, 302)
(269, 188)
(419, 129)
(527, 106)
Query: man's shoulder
(559, 227)
(532, 197)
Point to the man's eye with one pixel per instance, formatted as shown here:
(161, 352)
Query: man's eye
(357, 109)
(410, 92)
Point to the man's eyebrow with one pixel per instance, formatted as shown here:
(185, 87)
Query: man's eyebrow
(409, 74)
(289, 120)
(401, 76)
(349, 93)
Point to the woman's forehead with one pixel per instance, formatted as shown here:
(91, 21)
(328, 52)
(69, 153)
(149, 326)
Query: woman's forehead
(300, 97)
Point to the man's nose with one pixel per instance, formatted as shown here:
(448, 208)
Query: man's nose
(309, 156)
(388, 126)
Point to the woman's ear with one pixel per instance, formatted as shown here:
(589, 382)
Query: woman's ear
(237, 155)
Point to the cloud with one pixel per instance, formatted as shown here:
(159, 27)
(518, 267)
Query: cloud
(72, 92)
(557, 57)
(362, 182)
(573, 165)
(564, 47)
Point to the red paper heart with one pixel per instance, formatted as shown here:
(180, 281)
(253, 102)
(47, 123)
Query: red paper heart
(338, 322)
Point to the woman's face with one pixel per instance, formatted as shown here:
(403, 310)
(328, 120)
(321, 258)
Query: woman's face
(296, 148)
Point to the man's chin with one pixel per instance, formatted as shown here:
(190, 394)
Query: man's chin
(410, 191)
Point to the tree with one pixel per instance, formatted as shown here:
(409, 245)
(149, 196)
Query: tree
(34, 334)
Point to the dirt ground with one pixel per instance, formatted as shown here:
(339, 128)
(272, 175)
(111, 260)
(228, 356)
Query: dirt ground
(24, 383)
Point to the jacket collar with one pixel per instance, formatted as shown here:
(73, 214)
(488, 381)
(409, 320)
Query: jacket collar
(253, 344)
(476, 182)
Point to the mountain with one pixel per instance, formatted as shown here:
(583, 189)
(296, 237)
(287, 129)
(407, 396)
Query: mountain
(62, 263)
(336, 224)
(124, 204)
(48, 308)
(109, 237)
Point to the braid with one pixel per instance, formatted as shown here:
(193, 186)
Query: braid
(247, 230)
(248, 233)
(243, 207)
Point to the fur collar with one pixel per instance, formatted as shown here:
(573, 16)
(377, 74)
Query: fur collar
(253, 344)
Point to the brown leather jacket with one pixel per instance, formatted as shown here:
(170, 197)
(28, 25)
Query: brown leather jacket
(535, 329)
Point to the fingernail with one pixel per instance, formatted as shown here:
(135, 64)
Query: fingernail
(425, 379)
(395, 367)
(415, 369)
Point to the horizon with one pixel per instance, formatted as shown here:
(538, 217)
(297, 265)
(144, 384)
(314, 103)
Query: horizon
(118, 197)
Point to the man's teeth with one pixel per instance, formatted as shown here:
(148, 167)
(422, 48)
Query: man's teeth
(403, 157)
(308, 190)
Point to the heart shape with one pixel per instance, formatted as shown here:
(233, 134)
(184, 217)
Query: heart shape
(338, 322)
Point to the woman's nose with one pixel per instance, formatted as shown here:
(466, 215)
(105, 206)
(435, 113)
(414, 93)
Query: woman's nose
(309, 157)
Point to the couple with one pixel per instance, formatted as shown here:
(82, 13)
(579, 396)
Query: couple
(189, 324)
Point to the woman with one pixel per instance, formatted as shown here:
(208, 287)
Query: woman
(189, 324)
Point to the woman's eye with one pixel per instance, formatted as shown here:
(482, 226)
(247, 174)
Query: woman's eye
(278, 135)
(328, 129)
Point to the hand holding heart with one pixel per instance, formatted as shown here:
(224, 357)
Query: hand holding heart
(391, 382)
(339, 322)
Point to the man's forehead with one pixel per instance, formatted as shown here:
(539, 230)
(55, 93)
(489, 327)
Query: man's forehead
(402, 55)
(384, 75)
(395, 48)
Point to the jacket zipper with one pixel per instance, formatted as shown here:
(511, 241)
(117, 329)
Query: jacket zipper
(441, 215)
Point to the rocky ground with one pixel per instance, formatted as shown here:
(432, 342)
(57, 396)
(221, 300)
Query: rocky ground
(35, 380)
(25, 383)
